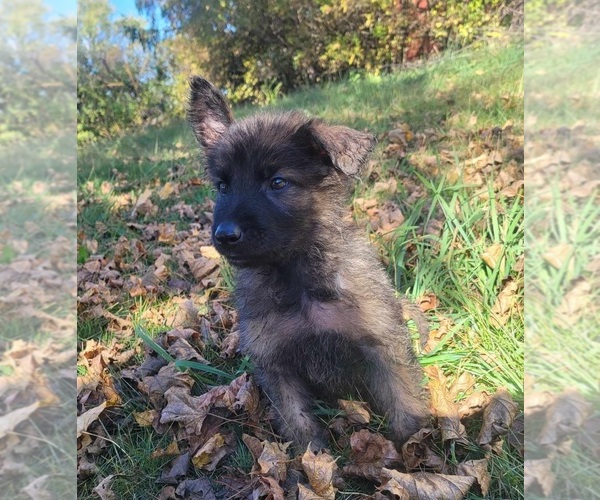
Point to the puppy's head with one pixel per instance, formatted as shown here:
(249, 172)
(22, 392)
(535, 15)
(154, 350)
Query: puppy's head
(277, 176)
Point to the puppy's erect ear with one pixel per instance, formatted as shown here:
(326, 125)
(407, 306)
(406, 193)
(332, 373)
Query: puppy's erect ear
(208, 112)
(347, 148)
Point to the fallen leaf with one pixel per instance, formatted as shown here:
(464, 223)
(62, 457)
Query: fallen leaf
(394, 489)
(254, 445)
(356, 411)
(427, 302)
(444, 408)
(273, 460)
(145, 418)
(430, 486)
(573, 305)
(417, 452)
(564, 418)
(504, 305)
(168, 189)
(498, 417)
(37, 489)
(269, 488)
(177, 470)
(103, 489)
(493, 255)
(320, 469)
(87, 418)
(390, 186)
(200, 488)
(171, 450)
(474, 404)
(370, 452)
(539, 476)
(558, 255)
(463, 384)
(210, 454)
(537, 402)
(477, 469)
(305, 493)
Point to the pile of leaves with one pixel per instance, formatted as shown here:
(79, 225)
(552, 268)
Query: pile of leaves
(206, 424)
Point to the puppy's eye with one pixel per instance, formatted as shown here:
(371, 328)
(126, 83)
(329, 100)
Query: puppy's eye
(278, 183)
(222, 187)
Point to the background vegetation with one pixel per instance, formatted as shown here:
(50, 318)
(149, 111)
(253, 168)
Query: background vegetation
(133, 72)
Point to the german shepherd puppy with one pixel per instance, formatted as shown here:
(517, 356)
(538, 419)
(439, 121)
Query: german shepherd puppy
(317, 314)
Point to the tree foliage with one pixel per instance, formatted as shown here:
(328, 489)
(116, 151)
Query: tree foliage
(123, 72)
(254, 48)
(37, 75)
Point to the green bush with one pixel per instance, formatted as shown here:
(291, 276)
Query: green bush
(123, 73)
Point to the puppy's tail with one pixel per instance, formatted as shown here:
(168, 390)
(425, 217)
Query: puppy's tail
(410, 310)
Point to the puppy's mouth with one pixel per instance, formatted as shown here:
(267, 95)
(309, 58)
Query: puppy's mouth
(247, 260)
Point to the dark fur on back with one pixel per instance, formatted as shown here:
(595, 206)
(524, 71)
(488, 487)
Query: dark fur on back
(317, 313)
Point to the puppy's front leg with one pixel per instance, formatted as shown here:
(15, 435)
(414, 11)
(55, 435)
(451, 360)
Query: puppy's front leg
(293, 404)
(395, 391)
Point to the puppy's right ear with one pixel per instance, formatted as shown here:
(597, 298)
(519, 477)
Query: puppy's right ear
(208, 112)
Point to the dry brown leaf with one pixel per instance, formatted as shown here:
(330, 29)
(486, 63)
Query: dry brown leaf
(210, 454)
(305, 493)
(196, 488)
(167, 377)
(504, 305)
(427, 302)
(171, 450)
(477, 469)
(564, 417)
(273, 460)
(393, 489)
(390, 186)
(539, 476)
(37, 489)
(574, 304)
(498, 417)
(558, 255)
(356, 411)
(210, 252)
(230, 345)
(463, 384)
(177, 470)
(103, 489)
(444, 408)
(474, 404)
(143, 204)
(186, 409)
(493, 255)
(320, 469)
(145, 418)
(87, 418)
(430, 486)
(254, 445)
(168, 189)
(370, 452)
(269, 488)
(417, 452)
(537, 402)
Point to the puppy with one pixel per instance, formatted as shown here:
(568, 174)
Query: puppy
(317, 314)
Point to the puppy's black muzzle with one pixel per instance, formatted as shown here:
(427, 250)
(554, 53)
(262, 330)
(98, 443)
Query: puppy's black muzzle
(228, 234)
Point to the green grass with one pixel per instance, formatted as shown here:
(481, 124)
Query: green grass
(37, 203)
(562, 95)
(462, 92)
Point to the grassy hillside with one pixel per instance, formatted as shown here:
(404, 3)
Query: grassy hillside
(442, 201)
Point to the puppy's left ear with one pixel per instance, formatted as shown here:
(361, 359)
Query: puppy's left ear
(208, 112)
(347, 148)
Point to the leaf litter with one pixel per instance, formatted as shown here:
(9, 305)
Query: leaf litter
(207, 424)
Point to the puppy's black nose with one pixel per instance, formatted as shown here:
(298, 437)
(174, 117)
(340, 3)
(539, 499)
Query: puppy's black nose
(228, 233)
